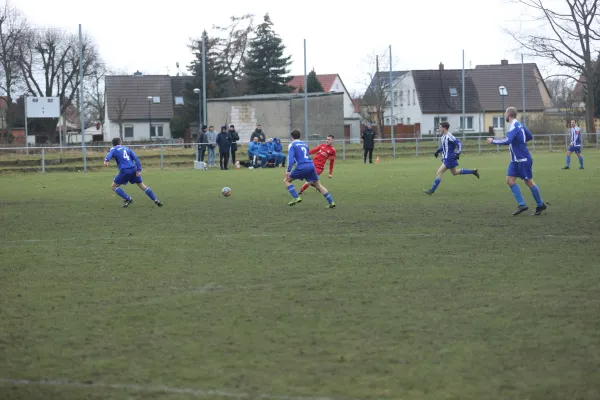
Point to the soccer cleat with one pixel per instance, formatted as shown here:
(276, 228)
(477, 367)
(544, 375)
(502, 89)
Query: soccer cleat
(520, 210)
(539, 209)
(295, 201)
(158, 203)
(476, 173)
(427, 191)
(565, 167)
(128, 202)
(580, 167)
(331, 205)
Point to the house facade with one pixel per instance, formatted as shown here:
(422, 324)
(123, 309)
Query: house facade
(429, 97)
(489, 78)
(142, 105)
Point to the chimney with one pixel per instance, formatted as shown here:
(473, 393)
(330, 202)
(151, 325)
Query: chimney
(441, 67)
(503, 62)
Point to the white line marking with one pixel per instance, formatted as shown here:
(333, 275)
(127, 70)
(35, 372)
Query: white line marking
(156, 389)
(294, 234)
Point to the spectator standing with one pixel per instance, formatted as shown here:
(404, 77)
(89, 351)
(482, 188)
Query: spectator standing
(234, 139)
(368, 138)
(211, 139)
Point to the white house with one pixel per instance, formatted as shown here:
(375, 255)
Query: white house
(142, 104)
(429, 97)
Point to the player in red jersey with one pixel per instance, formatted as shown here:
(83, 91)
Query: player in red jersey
(324, 151)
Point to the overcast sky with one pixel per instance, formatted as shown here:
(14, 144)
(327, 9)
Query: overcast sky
(138, 35)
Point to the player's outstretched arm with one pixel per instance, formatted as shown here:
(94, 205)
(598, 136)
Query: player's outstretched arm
(291, 160)
(135, 158)
(314, 150)
(510, 136)
(331, 161)
(109, 156)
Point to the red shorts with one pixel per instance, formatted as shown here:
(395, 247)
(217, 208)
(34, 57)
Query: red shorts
(319, 169)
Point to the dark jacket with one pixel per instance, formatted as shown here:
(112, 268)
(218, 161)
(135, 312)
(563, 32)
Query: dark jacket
(201, 138)
(368, 138)
(224, 142)
(259, 134)
(234, 138)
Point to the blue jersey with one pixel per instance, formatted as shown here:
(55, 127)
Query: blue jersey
(516, 139)
(450, 146)
(125, 157)
(298, 153)
(576, 137)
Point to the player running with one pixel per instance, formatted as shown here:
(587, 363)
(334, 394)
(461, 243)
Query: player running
(325, 152)
(574, 146)
(450, 149)
(305, 170)
(521, 162)
(130, 170)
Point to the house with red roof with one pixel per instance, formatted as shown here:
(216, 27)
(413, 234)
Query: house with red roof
(333, 83)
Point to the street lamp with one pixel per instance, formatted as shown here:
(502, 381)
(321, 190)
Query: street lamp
(150, 114)
(198, 92)
(503, 93)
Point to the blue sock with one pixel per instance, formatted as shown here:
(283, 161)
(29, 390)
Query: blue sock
(568, 161)
(581, 161)
(150, 193)
(328, 197)
(535, 191)
(516, 191)
(435, 184)
(466, 172)
(292, 191)
(122, 193)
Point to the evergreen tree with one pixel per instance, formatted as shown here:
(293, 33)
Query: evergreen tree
(266, 67)
(312, 83)
(217, 81)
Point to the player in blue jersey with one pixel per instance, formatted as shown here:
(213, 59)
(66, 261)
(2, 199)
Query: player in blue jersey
(130, 170)
(298, 154)
(521, 163)
(450, 149)
(574, 146)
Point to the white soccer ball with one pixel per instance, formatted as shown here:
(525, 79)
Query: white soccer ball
(226, 191)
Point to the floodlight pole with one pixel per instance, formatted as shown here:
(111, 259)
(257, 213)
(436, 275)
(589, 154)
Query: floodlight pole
(26, 130)
(392, 122)
(81, 106)
(305, 96)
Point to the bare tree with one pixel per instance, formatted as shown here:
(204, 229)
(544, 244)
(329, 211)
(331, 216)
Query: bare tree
(120, 108)
(50, 65)
(233, 43)
(568, 37)
(94, 94)
(13, 33)
(376, 98)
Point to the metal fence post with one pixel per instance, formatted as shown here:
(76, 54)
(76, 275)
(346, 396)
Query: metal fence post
(162, 156)
(479, 144)
(43, 162)
(417, 147)
(344, 149)
(550, 143)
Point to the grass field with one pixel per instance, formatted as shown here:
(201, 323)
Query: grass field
(392, 295)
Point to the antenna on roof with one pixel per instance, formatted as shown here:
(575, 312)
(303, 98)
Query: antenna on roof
(177, 64)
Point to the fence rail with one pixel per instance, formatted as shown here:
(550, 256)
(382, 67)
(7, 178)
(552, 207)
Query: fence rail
(71, 158)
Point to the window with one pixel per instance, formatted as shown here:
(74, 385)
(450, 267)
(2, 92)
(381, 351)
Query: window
(401, 121)
(408, 121)
(498, 122)
(128, 131)
(469, 126)
(395, 98)
(156, 129)
(179, 101)
(414, 96)
(401, 99)
(387, 121)
(437, 121)
(408, 97)
(156, 99)
(453, 92)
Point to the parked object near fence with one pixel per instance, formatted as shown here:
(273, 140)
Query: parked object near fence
(176, 155)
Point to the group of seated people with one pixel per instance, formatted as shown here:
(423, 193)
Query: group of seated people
(265, 153)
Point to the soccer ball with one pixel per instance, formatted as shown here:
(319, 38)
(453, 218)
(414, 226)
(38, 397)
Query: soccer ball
(226, 191)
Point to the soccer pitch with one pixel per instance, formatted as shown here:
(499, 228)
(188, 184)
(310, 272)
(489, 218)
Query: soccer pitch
(391, 295)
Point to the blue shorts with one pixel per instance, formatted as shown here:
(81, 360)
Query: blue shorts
(523, 170)
(305, 172)
(575, 149)
(450, 162)
(129, 175)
